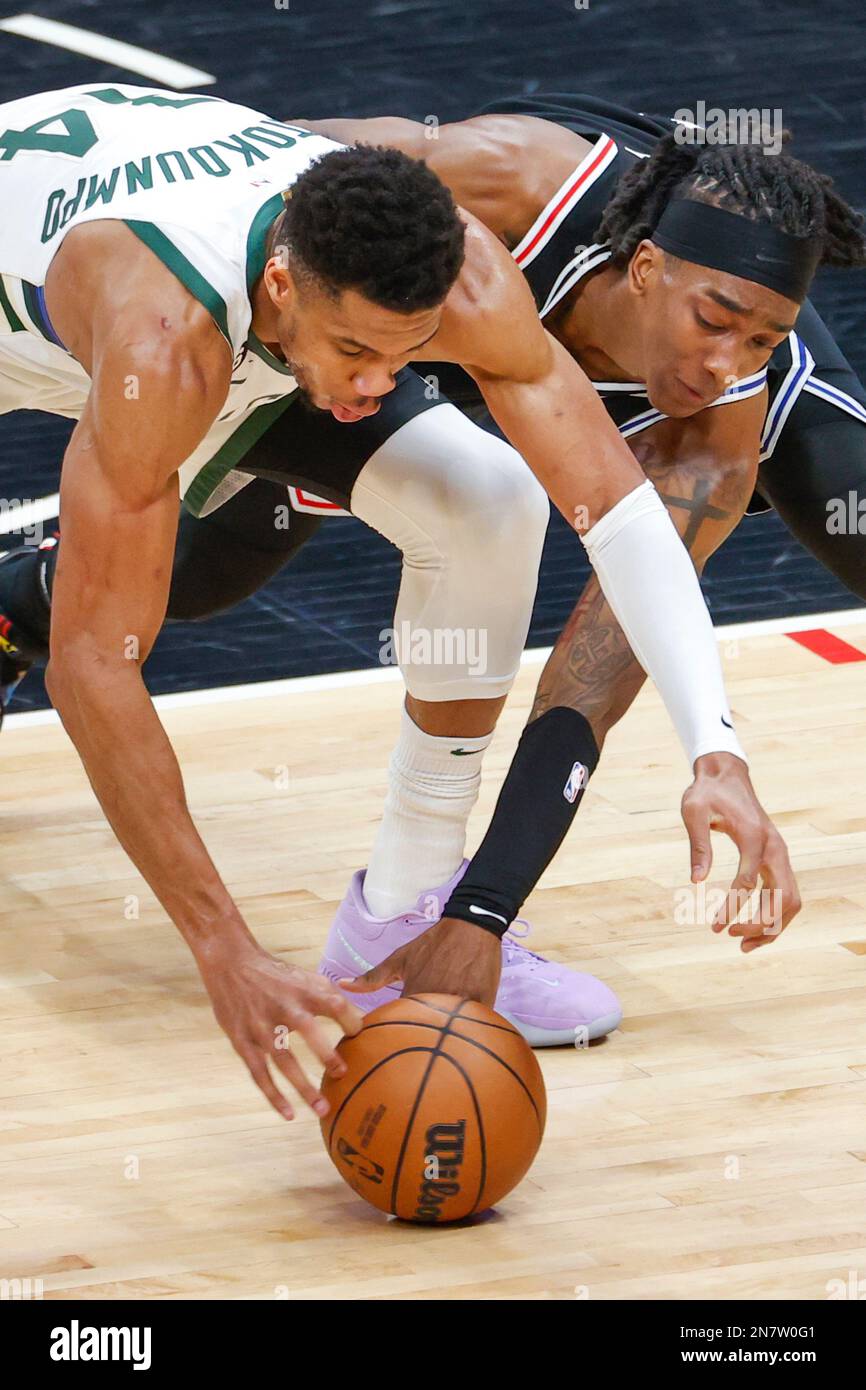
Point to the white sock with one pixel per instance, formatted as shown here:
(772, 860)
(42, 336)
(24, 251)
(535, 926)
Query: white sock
(433, 785)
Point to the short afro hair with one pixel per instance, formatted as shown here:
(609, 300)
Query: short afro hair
(371, 219)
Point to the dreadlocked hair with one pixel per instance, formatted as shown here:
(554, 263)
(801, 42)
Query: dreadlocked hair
(373, 220)
(748, 179)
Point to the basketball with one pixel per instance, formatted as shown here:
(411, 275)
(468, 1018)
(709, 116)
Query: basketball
(441, 1111)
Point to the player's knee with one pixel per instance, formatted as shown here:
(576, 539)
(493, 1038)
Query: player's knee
(494, 500)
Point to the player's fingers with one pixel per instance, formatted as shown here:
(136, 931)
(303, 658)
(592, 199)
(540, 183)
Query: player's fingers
(319, 1044)
(783, 892)
(388, 972)
(750, 844)
(258, 1069)
(294, 1073)
(328, 1001)
(696, 818)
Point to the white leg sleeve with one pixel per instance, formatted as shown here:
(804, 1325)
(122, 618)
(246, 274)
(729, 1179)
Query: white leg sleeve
(470, 519)
(651, 584)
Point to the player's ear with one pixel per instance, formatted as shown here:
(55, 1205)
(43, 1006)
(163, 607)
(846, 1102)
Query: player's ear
(278, 278)
(645, 266)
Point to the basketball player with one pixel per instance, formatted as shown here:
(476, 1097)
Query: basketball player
(647, 257)
(156, 288)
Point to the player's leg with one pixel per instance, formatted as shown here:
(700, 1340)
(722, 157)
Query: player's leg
(470, 521)
(815, 476)
(224, 557)
(469, 518)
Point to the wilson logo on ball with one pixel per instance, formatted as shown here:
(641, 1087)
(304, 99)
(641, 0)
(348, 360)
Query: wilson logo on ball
(444, 1146)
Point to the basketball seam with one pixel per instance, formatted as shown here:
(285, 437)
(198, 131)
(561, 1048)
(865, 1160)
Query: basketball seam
(483, 1022)
(517, 1077)
(408, 1130)
(473, 1042)
(375, 1067)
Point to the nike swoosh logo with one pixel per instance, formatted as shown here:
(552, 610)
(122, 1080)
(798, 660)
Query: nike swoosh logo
(463, 752)
(482, 912)
(551, 984)
(726, 724)
(358, 959)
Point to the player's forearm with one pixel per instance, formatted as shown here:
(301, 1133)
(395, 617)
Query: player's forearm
(592, 668)
(651, 585)
(136, 778)
(640, 562)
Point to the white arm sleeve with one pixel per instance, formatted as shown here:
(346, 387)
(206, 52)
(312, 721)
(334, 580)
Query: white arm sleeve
(651, 584)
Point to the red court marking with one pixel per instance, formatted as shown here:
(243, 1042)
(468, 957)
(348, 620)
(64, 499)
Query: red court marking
(823, 643)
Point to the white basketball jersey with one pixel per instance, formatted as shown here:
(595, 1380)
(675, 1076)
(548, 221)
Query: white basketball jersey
(199, 181)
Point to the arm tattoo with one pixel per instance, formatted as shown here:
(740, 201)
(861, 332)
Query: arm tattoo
(700, 509)
(592, 667)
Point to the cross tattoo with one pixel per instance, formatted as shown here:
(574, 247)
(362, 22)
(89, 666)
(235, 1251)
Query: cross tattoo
(698, 506)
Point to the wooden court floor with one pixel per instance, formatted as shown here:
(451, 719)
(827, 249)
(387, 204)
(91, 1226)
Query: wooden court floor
(714, 1146)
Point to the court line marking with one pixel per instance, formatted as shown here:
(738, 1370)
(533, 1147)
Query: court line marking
(166, 72)
(384, 675)
(828, 646)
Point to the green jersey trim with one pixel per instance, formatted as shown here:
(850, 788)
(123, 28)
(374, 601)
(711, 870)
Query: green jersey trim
(258, 236)
(226, 458)
(12, 318)
(257, 347)
(177, 263)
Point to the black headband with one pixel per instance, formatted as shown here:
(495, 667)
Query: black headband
(725, 240)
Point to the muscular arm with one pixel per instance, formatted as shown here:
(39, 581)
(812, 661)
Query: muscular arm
(159, 377)
(533, 387)
(705, 473)
(160, 372)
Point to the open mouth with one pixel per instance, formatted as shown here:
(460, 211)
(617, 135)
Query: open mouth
(346, 414)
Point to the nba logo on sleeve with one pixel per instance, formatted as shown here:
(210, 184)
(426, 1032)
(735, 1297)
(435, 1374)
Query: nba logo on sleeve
(577, 780)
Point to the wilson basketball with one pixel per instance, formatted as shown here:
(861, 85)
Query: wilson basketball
(441, 1111)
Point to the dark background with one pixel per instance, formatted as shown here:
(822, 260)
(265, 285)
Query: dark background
(446, 57)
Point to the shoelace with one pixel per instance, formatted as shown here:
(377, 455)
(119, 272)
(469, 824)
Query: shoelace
(517, 954)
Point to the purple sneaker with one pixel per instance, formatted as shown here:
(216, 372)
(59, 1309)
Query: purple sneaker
(549, 1003)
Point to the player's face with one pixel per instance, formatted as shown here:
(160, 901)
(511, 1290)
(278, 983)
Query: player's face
(345, 353)
(703, 330)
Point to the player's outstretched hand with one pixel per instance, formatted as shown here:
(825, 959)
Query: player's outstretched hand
(451, 958)
(259, 1001)
(722, 798)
